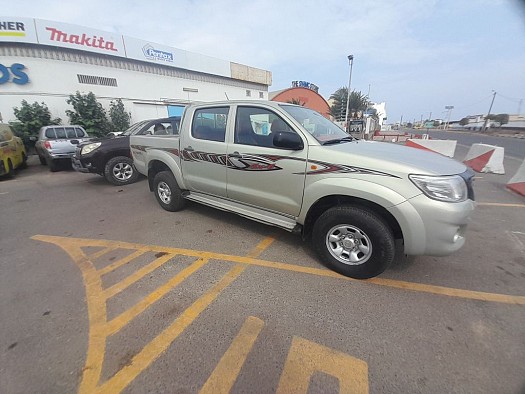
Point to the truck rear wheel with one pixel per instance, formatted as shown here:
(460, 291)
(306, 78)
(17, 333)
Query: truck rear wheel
(354, 241)
(167, 192)
(52, 164)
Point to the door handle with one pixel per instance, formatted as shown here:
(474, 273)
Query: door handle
(189, 149)
(235, 155)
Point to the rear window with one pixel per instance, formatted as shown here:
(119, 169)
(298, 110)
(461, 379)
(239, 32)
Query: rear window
(60, 132)
(50, 133)
(80, 132)
(70, 132)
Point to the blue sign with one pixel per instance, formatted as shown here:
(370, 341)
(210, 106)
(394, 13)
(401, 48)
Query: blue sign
(155, 54)
(304, 84)
(14, 73)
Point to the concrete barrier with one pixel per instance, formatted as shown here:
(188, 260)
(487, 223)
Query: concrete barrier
(444, 147)
(393, 137)
(517, 182)
(485, 158)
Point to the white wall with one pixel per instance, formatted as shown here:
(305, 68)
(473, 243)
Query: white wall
(52, 81)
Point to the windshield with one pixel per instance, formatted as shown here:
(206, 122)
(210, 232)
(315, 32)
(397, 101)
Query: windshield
(135, 127)
(322, 129)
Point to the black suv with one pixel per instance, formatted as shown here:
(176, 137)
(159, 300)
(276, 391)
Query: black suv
(111, 156)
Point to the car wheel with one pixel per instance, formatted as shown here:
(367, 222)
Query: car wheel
(10, 169)
(42, 160)
(167, 192)
(52, 164)
(354, 241)
(120, 171)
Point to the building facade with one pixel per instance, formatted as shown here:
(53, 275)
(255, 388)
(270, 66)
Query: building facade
(47, 61)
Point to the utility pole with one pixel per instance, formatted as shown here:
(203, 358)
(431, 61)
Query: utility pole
(487, 117)
(351, 60)
(519, 106)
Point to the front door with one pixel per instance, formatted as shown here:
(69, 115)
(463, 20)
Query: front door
(259, 173)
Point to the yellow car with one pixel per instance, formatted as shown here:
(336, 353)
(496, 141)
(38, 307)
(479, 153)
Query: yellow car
(12, 151)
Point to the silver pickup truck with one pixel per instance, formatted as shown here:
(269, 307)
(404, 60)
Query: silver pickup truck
(58, 143)
(288, 166)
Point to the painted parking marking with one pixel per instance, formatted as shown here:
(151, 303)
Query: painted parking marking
(97, 297)
(306, 357)
(225, 373)
(412, 286)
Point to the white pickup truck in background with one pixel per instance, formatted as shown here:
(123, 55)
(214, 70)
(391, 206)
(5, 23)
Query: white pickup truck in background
(288, 166)
(58, 143)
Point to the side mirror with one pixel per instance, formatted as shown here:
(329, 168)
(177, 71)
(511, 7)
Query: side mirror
(288, 140)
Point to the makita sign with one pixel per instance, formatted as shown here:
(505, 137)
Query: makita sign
(155, 54)
(78, 37)
(82, 40)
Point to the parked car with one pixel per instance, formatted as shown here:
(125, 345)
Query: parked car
(57, 143)
(288, 166)
(110, 156)
(12, 151)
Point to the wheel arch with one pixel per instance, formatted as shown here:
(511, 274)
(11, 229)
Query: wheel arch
(327, 202)
(155, 166)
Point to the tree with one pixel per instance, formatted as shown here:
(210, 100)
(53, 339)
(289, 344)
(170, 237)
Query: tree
(358, 103)
(499, 118)
(88, 113)
(120, 119)
(30, 118)
(296, 101)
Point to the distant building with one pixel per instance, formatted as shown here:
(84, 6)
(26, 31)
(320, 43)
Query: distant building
(304, 96)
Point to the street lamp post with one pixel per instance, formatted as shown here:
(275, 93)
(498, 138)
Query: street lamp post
(351, 60)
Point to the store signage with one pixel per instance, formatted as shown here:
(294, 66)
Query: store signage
(17, 30)
(155, 54)
(14, 73)
(82, 40)
(78, 37)
(12, 29)
(304, 84)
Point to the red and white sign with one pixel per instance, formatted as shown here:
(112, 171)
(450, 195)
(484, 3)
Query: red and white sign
(78, 37)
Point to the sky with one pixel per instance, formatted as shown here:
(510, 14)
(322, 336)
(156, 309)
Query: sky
(417, 56)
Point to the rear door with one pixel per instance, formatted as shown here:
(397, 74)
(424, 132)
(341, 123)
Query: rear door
(259, 173)
(203, 149)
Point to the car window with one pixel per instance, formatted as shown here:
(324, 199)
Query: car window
(210, 124)
(159, 128)
(50, 133)
(256, 126)
(60, 132)
(70, 132)
(80, 133)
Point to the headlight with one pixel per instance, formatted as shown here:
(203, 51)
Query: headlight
(443, 188)
(89, 148)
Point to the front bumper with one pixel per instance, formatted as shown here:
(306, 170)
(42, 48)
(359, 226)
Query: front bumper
(431, 227)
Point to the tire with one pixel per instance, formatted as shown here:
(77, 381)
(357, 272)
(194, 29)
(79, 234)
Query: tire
(42, 160)
(10, 169)
(167, 192)
(354, 241)
(52, 164)
(120, 171)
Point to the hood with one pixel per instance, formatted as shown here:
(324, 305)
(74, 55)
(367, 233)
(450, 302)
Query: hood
(109, 140)
(390, 158)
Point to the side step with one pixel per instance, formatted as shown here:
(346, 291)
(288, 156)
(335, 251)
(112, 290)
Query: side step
(259, 215)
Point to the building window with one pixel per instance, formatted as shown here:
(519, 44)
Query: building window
(94, 80)
(248, 93)
(261, 95)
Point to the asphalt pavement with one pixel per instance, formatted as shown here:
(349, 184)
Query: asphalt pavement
(103, 291)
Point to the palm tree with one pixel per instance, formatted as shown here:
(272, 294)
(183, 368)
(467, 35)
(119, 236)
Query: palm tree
(296, 101)
(358, 102)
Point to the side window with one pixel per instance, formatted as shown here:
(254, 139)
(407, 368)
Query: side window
(50, 133)
(159, 128)
(255, 126)
(210, 124)
(80, 133)
(70, 132)
(60, 132)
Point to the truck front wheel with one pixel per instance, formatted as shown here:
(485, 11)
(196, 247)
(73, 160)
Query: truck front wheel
(354, 241)
(167, 192)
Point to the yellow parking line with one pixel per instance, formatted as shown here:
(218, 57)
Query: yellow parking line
(225, 373)
(497, 204)
(101, 253)
(124, 318)
(137, 275)
(121, 262)
(439, 290)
